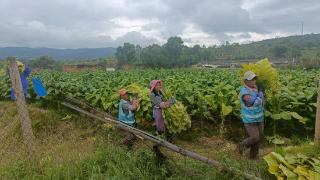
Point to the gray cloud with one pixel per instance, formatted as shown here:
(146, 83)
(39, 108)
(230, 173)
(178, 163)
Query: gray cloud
(99, 23)
(287, 15)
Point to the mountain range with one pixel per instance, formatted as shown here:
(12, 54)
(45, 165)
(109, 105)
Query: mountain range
(27, 53)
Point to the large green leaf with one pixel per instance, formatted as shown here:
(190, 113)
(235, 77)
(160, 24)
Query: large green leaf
(300, 118)
(226, 110)
(283, 115)
(289, 174)
(272, 163)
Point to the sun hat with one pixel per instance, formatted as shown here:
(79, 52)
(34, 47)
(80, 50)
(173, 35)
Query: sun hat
(249, 75)
(154, 83)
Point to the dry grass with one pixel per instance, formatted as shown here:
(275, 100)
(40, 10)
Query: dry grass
(56, 140)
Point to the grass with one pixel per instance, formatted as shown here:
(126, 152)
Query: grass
(71, 146)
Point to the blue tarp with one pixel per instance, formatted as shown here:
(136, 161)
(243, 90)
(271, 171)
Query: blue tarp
(38, 87)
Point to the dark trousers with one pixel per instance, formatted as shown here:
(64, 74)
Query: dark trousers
(129, 138)
(255, 132)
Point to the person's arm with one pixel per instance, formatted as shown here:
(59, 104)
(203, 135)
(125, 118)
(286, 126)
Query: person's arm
(260, 87)
(253, 101)
(133, 105)
(165, 104)
(157, 101)
(247, 100)
(125, 108)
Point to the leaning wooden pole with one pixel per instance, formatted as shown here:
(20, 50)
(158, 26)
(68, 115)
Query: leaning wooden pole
(317, 126)
(21, 106)
(163, 143)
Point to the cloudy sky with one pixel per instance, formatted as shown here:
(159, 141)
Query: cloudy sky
(109, 23)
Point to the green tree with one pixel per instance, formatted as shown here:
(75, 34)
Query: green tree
(125, 54)
(173, 49)
(44, 62)
(137, 58)
(152, 56)
(278, 51)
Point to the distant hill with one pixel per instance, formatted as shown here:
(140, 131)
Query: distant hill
(305, 41)
(58, 54)
(306, 46)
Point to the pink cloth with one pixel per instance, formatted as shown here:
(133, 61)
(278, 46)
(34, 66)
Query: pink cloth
(153, 84)
(159, 120)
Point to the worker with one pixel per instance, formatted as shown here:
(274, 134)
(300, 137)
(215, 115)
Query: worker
(158, 103)
(126, 115)
(252, 112)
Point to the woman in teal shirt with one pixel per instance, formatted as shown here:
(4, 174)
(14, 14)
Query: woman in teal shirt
(252, 114)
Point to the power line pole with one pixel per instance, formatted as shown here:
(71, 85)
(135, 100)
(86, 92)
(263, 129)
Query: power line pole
(302, 28)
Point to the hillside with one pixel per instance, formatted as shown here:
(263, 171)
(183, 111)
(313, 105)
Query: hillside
(58, 54)
(306, 46)
(175, 54)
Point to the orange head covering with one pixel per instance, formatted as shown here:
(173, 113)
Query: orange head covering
(122, 92)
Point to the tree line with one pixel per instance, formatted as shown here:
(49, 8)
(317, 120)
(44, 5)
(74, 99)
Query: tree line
(174, 53)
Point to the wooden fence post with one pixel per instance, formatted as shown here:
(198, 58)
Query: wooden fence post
(21, 106)
(317, 126)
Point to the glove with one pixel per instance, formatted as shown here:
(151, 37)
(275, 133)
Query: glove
(172, 101)
(255, 101)
(260, 87)
(260, 95)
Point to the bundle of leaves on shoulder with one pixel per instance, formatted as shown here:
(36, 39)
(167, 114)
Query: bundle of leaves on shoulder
(267, 75)
(144, 106)
(293, 167)
(176, 118)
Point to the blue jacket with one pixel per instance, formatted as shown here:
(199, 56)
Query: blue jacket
(125, 114)
(24, 81)
(253, 113)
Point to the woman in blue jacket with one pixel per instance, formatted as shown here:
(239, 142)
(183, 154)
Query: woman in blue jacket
(252, 113)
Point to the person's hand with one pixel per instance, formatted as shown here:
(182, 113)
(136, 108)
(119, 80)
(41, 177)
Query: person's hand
(134, 95)
(260, 87)
(134, 105)
(172, 101)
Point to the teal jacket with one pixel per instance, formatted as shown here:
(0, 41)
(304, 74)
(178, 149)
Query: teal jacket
(125, 114)
(252, 113)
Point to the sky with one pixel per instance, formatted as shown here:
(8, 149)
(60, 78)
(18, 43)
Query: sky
(110, 23)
